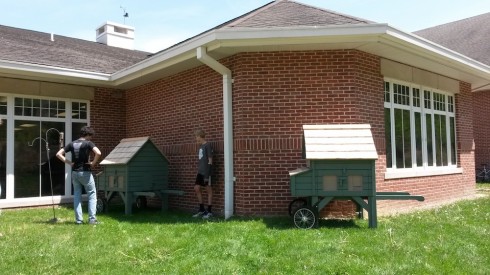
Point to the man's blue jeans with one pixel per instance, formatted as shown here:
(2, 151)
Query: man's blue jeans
(85, 179)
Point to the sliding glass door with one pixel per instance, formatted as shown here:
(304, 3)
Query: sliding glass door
(30, 128)
(3, 157)
(37, 170)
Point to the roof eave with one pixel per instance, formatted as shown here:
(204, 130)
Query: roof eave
(51, 73)
(379, 39)
(162, 60)
(430, 56)
(231, 40)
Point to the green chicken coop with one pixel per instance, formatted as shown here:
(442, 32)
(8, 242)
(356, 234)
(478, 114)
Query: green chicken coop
(341, 166)
(135, 170)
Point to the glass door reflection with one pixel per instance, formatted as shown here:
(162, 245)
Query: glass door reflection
(3, 158)
(35, 162)
(52, 132)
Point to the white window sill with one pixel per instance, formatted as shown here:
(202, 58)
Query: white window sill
(412, 173)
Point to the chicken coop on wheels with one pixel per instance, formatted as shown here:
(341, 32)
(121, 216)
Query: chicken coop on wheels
(341, 166)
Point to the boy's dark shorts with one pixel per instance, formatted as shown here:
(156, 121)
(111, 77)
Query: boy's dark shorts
(202, 181)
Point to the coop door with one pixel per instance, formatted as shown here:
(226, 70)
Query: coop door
(116, 182)
(111, 182)
(330, 183)
(354, 183)
(120, 182)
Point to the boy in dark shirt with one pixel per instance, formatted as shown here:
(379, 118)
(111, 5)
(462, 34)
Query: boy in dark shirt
(203, 178)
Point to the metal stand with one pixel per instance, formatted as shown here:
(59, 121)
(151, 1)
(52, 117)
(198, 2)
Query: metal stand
(54, 219)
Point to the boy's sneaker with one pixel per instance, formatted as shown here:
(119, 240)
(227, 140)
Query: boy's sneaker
(199, 214)
(78, 222)
(93, 221)
(207, 215)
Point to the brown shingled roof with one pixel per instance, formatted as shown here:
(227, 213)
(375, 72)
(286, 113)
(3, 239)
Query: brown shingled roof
(33, 47)
(286, 13)
(37, 48)
(470, 36)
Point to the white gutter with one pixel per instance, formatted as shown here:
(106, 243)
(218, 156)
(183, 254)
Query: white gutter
(227, 127)
(35, 69)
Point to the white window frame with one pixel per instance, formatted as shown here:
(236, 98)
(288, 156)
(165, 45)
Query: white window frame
(425, 169)
(10, 117)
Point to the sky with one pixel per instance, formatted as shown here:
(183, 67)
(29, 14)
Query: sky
(160, 24)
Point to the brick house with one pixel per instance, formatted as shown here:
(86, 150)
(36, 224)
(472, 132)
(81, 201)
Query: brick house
(471, 37)
(250, 83)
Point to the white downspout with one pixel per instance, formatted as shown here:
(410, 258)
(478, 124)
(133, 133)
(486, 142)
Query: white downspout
(227, 127)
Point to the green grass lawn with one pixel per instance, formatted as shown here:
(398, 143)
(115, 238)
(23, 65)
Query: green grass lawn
(450, 240)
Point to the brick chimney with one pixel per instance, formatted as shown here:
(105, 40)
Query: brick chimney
(115, 35)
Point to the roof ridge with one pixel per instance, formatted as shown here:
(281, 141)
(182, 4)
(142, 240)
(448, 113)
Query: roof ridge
(235, 22)
(252, 13)
(69, 38)
(43, 32)
(64, 52)
(331, 11)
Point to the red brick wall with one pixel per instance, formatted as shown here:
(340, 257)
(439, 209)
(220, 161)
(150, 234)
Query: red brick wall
(169, 110)
(107, 117)
(274, 94)
(481, 113)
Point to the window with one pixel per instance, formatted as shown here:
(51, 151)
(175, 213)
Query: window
(3, 105)
(79, 110)
(420, 127)
(101, 30)
(33, 107)
(120, 30)
(38, 124)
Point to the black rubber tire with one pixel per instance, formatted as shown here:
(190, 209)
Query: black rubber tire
(295, 204)
(141, 202)
(101, 206)
(305, 217)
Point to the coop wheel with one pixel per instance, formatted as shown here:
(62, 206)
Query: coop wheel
(101, 205)
(141, 202)
(295, 205)
(305, 217)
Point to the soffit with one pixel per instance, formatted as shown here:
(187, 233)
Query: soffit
(377, 39)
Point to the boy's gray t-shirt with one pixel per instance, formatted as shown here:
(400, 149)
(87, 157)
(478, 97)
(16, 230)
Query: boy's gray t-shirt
(205, 152)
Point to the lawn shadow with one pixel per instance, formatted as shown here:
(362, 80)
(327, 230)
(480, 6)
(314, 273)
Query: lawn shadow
(338, 223)
(64, 215)
(287, 223)
(155, 215)
(151, 215)
(56, 222)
